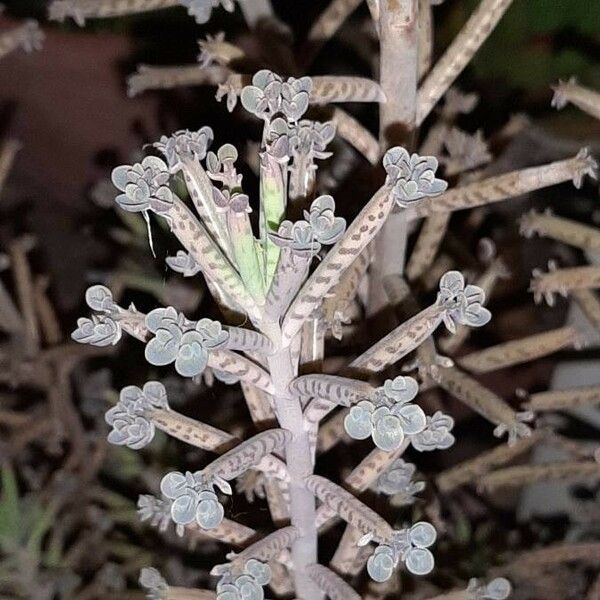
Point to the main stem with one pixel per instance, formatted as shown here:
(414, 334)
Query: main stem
(399, 67)
(299, 464)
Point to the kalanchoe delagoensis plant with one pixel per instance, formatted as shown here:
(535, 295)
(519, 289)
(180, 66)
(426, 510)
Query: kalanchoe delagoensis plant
(269, 279)
(281, 282)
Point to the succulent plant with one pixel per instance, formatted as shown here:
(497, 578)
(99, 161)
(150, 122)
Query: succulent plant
(269, 280)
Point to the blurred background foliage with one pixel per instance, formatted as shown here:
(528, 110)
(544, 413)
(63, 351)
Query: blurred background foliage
(536, 41)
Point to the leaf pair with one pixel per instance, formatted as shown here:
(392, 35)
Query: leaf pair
(180, 341)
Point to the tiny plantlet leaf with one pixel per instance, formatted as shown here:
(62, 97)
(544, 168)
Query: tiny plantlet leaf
(131, 425)
(183, 342)
(412, 176)
(388, 417)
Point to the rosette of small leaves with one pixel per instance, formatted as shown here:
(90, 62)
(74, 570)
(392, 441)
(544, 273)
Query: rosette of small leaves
(183, 263)
(157, 511)
(277, 142)
(462, 304)
(202, 9)
(155, 584)
(436, 435)
(387, 419)
(398, 479)
(269, 96)
(311, 138)
(234, 201)
(144, 186)
(248, 585)
(194, 498)
(221, 166)
(497, 589)
(130, 425)
(307, 142)
(407, 545)
(327, 228)
(298, 237)
(183, 342)
(99, 330)
(411, 176)
(320, 227)
(103, 329)
(399, 390)
(185, 144)
(100, 298)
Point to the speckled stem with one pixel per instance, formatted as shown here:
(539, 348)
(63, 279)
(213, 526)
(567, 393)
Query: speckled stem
(477, 397)
(269, 547)
(349, 508)
(471, 470)
(459, 54)
(430, 237)
(7, 157)
(102, 9)
(348, 557)
(560, 229)
(563, 281)
(242, 368)
(399, 342)
(349, 129)
(587, 471)
(509, 185)
(181, 593)
(213, 263)
(209, 438)
(425, 52)
(358, 235)
(581, 97)
(519, 351)
(329, 21)
(585, 552)
(333, 585)
(200, 188)
(328, 89)
(288, 278)
(564, 399)
(165, 78)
